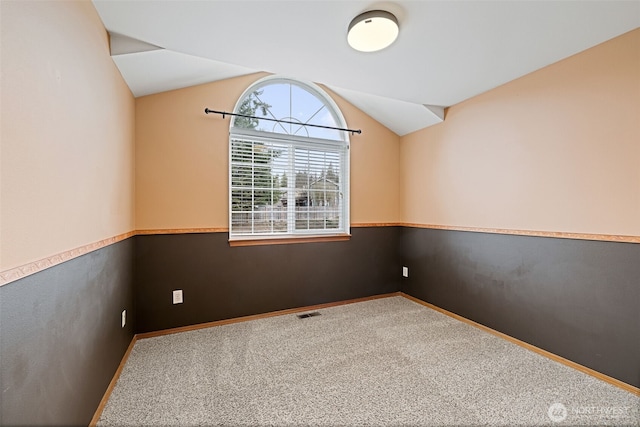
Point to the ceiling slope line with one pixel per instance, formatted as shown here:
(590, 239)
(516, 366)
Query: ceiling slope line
(122, 45)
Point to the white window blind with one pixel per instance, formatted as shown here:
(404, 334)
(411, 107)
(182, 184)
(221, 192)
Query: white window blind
(287, 186)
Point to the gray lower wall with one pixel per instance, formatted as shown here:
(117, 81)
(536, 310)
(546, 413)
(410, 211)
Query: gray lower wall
(61, 340)
(60, 337)
(577, 299)
(221, 282)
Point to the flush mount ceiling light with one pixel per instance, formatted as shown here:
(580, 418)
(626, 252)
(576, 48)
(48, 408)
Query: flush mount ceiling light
(372, 31)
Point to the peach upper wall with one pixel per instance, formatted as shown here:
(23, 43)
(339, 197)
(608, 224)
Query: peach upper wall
(375, 167)
(556, 150)
(182, 159)
(67, 132)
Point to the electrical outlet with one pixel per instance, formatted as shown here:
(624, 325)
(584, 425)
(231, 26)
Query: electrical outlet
(405, 271)
(124, 317)
(177, 296)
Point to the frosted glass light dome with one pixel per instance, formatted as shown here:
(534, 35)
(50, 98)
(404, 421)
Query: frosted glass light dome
(372, 31)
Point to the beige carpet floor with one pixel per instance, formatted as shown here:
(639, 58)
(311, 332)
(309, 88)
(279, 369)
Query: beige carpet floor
(385, 362)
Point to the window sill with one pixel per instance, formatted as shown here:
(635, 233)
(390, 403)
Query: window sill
(289, 240)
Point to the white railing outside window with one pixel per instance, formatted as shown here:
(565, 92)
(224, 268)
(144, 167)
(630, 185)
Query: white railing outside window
(287, 180)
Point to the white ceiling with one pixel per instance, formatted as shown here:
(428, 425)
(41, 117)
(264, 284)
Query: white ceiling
(447, 51)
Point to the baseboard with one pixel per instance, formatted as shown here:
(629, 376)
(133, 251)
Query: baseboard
(261, 316)
(545, 353)
(112, 384)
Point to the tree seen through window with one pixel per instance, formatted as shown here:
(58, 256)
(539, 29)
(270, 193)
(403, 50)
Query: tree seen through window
(287, 178)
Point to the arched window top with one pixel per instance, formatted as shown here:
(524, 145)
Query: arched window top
(287, 180)
(289, 100)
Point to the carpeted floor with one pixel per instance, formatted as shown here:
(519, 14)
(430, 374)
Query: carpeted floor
(383, 362)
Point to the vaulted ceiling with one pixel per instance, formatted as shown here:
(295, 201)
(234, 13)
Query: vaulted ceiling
(447, 51)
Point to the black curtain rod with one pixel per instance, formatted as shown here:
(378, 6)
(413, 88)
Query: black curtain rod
(224, 113)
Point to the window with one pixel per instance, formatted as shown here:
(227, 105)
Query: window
(287, 179)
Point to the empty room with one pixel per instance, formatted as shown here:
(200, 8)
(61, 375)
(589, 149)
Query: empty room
(319, 213)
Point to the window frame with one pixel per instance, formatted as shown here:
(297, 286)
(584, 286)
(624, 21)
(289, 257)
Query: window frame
(293, 142)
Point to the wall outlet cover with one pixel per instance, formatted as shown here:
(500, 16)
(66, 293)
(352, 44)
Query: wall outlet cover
(177, 296)
(124, 317)
(405, 271)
